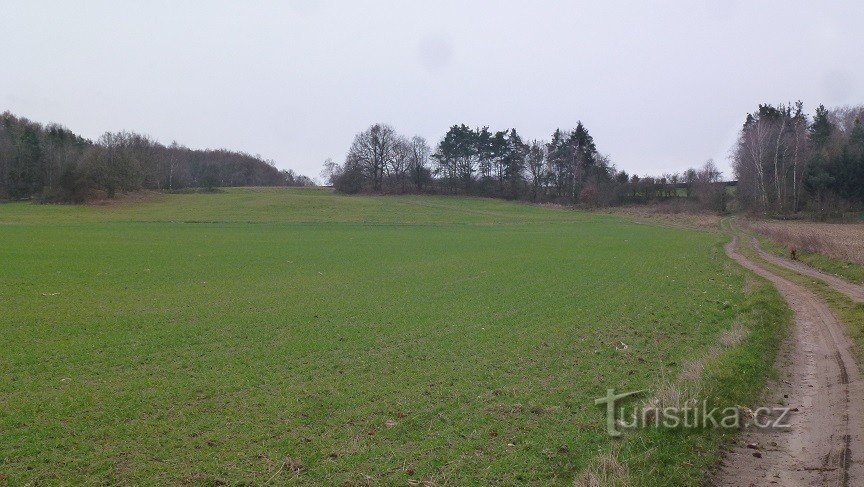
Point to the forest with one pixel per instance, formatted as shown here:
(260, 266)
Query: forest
(50, 163)
(784, 162)
(787, 162)
(568, 169)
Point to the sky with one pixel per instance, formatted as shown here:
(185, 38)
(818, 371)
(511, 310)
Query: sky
(661, 85)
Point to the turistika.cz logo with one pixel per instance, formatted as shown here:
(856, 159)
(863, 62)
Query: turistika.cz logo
(692, 414)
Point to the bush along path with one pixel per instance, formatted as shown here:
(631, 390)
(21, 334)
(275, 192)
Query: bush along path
(820, 386)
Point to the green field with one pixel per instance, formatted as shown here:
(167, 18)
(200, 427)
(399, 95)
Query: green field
(204, 339)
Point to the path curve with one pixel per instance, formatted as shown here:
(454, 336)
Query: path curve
(854, 291)
(821, 382)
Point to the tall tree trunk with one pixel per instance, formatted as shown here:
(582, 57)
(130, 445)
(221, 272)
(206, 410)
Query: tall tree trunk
(777, 181)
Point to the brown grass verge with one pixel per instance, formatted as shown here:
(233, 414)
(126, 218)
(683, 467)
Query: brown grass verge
(123, 199)
(844, 241)
(669, 215)
(604, 471)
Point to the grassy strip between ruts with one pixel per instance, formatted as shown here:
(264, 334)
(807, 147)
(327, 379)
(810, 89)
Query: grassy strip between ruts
(847, 270)
(848, 311)
(734, 377)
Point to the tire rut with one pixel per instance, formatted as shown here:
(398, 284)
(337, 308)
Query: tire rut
(821, 383)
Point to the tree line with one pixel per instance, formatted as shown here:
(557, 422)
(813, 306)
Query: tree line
(784, 162)
(787, 162)
(567, 169)
(50, 163)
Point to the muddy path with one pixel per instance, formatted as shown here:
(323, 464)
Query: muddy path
(854, 291)
(820, 382)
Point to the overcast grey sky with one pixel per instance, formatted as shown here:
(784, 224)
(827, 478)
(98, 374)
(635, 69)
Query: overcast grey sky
(661, 85)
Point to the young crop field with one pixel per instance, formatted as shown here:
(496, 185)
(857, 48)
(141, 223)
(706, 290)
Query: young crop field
(273, 336)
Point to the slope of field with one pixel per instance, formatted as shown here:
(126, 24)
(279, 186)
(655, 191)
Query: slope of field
(298, 336)
(296, 205)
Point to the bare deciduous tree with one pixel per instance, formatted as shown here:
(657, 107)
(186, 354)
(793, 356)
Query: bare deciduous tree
(373, 150)
(419, 162)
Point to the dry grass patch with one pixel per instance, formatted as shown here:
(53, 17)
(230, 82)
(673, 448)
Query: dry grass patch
(125, 199)
(837, 240)
(669, 215)
(733, 336)
(604, 471)
(675, 394)
(684, 390)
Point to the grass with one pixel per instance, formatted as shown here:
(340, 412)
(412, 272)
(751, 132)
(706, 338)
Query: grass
(269, 336)
(735, 377)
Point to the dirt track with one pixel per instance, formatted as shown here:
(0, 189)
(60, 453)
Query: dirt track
(821, 382)
(854, 291)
